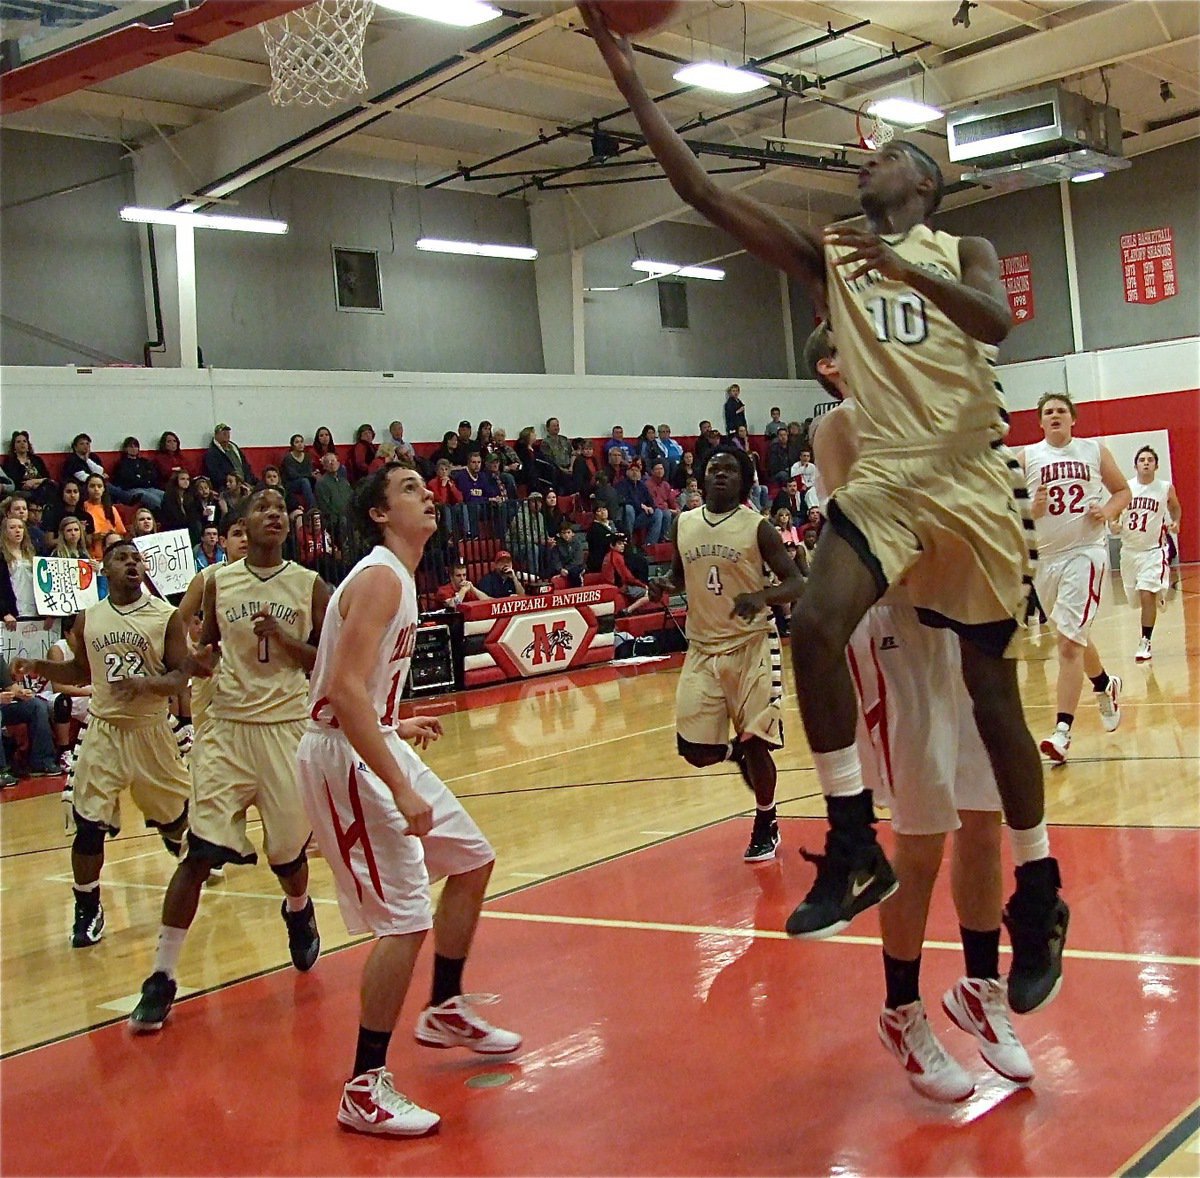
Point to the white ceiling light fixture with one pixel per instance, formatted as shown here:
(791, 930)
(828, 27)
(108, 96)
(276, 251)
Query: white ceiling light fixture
(1084, 177)
(662, 269)
(463, 14)
(904, 112)
(437, 245)
(724, 79)
(143, 216)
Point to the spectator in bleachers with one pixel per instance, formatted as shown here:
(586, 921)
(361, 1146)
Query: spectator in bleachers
(792, 499)
(616, 460)
(19, 705)
(815, 519)
(459, 590)
(605, 495)
(735, 410)
(648, 449)
(509, 459)
(626, 517)
(567, 555)
(684, 471)
(503, 580)
(82, 464)
(706, 443)
(69, 502)
(651, 523)
(233, 495)
(618, 442)
(16, 575)
(778, 463)
(494, 465)
(599, 536)
(224, 455)
(209, 550)
(105, 517)
(527, 536)
(448, 451)
(466, 443)
(180, 507)
(477, 489)
(169, 457)
(447, 496)
(775, 426)
(552, 509)
(7, 486)
(664, 497)
(583, 468)
(526, 448)
(616, 571)
(26, 470)
(323, 444)
(137, 476)
(212, 510)
(483, 439)
(690, 497)
(333, 494)
(144, 523)
(297, 470)
(804, 471)
(403, 449)
(363, 453)
(809, 535)
(741, 440)
(36, 528)
(558, 450)
(72, 540)
(795, 442)
(17, 507)
(786, 526)
(672, 450)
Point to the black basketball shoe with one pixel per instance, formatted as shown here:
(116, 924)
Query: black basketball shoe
(1036, 918)
(852, 876)
(764, 840)
(304, 942)
(158, 996)
(88, 926)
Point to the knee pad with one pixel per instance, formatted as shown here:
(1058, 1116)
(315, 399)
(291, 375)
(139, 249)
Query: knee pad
(62, 709)
(89, 836)
(286, 870)
(700, 755)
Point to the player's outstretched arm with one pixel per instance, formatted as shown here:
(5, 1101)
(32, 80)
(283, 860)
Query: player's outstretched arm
(74, 671)
(193, 599)
(1119, 496)
(759, 230)
(368, 605)
(673, 582)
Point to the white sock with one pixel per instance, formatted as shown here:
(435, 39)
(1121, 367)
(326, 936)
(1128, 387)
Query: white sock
(87, 887)
(297, 903)
(839, 772)
(764, 808)
(170, 945)
(1031, 844)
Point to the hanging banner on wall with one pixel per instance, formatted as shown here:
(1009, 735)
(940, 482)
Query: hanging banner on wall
(1148, 265)
(1017, 276)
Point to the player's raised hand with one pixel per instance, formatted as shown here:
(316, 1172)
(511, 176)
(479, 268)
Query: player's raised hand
(616, 51)
(1040, 502)
(420, 730)
(868, 252)
(748, 606)
(416, 810)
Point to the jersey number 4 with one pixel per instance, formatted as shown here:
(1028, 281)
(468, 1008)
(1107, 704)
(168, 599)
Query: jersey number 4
(124, 666)
(901, 318)
(713, 581)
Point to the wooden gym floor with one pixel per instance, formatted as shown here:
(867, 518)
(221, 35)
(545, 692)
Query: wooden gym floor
(670, 1027)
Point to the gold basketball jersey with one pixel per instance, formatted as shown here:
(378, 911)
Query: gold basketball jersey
(126, 642)
(720, 560)
(920, 382)
(256, 682)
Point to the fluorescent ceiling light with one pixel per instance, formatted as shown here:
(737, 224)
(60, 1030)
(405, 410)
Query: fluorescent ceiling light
(904, 112)
(1084, 177)
(463, 14)
(436, 245)
(202, 220)
(709, 75)
(661, 269)
(590, 289)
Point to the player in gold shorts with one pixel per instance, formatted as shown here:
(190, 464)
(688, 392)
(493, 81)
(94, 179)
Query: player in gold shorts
(933, 499)
(263, 616)
(131, 647)
(733, 671)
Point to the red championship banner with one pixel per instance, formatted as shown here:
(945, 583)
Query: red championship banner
(1148, 265)
(1017, 276)
(519, 637)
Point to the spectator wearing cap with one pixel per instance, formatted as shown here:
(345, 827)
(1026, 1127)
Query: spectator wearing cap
(617, 572)
(466, 442)
(502, 581)
(224, 456)
(459, 591)
(137, 475)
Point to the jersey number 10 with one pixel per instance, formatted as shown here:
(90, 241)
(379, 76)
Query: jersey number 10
(901, 318)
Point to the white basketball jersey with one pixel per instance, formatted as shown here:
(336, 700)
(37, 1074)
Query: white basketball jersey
(1071, 475)
(385, 683)
(1144, 523)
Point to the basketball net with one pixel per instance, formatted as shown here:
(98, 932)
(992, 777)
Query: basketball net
(316, 52)
(876, 133)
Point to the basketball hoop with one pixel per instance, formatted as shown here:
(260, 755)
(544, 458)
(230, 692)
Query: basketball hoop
(316, 52)
(877, 132)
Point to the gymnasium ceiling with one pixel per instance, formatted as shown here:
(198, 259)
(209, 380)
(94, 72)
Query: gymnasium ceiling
(443, 102)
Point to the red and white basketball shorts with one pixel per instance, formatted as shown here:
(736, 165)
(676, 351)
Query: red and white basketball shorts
(1068, 586)
(382, 873)
(920, 750)
(1148, 570)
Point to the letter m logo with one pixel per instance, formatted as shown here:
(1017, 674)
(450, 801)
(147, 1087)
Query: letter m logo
(549, 646)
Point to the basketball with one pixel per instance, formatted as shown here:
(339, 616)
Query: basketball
(627, 18)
